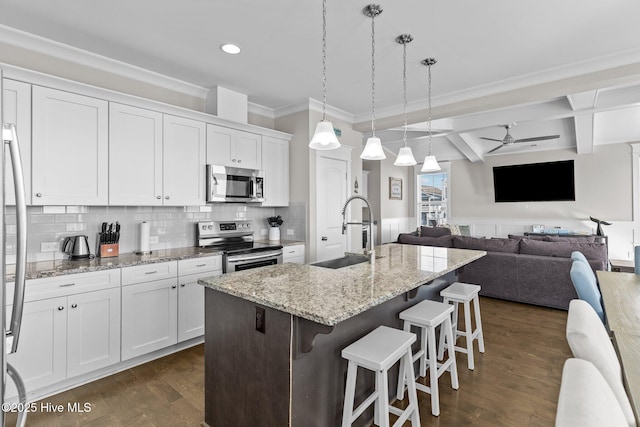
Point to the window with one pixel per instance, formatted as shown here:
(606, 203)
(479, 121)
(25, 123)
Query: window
(433, 198)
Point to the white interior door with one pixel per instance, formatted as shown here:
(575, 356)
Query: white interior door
(331, 179)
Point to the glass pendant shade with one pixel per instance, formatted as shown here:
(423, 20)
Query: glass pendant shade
(430, 164)
(325, 137)
(373, 150)
(405, 157)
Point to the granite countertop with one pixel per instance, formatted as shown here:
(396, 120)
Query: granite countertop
(41, 269)
(329, 296)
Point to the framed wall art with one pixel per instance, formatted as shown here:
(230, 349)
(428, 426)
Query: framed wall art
(395, 188)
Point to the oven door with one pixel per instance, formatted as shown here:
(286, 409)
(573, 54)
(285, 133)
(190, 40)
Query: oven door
(252, 260)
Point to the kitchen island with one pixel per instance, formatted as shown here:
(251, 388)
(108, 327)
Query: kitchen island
(273, 335)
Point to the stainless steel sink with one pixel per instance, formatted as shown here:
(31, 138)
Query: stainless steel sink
(345, 261)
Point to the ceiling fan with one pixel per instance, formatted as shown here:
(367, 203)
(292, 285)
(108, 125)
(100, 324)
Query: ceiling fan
(509, 140)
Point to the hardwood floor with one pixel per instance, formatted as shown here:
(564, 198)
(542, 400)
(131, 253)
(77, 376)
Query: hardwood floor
(515, 382)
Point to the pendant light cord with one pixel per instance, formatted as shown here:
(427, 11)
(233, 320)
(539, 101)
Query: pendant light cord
(373, 74)
(324, 60)
(429, 108)
(404, 89)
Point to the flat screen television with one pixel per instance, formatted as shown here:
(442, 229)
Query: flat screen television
(535, 182)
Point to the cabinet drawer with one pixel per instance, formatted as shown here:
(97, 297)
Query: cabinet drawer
(51, 287)
(293, 251)
(197, 265)
(149, 272)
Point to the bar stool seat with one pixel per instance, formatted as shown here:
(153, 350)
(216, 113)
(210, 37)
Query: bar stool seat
(464, 293)
(378, 351)
(428, 315)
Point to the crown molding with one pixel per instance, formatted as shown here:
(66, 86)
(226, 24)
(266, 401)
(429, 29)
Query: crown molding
(314, 105)
(65, 52)
(261, 110)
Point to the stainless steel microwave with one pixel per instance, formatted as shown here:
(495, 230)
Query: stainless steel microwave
(227, 184)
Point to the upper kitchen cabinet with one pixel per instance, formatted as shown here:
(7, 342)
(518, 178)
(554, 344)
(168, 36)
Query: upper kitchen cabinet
(275, 163)
(234, 148)
(184, 161)
(70, 148)
(135, 156)
(17, 110)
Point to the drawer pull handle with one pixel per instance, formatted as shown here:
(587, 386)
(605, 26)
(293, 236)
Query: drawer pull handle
(151, 272)
(201, 265)
(67, 285)
(74, 305)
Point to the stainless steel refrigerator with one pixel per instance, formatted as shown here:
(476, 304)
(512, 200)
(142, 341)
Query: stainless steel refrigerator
(11, 163)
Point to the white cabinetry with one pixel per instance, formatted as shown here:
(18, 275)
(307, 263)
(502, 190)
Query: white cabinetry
(293, 253)
(234, 148)
(275, 163)
(184, 166)
(155, 159)
(365, 184)
(149, 308)
(17, 110)
(70, 148)
(191, 294)
(70, 326)
(135, 156)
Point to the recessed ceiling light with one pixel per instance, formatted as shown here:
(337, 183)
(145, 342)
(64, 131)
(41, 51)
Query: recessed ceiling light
(230, 48)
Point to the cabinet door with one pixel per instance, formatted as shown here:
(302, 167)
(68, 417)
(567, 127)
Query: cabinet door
(220, 141)
(248, 150)
(93, 338)
(41, 355)
(294, 254)
(191, 305)
(16, 104)
(70, 148)
(149, 317)
(135, 156)
(275, 163)
(184, 162)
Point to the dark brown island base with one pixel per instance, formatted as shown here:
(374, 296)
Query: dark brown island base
(274, 335)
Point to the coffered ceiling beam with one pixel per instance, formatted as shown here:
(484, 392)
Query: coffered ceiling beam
(468, 145)
(584, 103)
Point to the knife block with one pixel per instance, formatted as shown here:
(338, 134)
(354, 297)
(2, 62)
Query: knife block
(109, 250)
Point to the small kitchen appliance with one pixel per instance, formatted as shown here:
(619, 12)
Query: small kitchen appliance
(76, 246)
(226, 184)
(235, 240)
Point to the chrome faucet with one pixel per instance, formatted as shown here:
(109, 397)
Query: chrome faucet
(370, 252)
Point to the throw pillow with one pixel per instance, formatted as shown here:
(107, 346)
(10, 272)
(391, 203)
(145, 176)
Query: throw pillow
(441, 242)
(570, 239)
(489, 245)
(455, 230)
(520, 237)
(434, 231)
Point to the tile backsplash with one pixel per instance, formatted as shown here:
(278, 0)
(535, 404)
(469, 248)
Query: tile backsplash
(171, 227)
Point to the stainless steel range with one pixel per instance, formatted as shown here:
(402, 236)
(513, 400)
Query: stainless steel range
(235, 239)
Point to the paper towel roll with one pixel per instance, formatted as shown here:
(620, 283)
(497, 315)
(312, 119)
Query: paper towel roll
(637, 259)
(144, 237)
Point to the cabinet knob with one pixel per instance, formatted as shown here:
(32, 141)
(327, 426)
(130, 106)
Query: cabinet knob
(60, 308)
(239, 160)
(38, 194)
(233, 160)
(166, 197)
(174, 286)
(182, 285)
(74, 305)
(158, 197)
(324, 238)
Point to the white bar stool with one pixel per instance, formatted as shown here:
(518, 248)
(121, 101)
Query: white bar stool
(378, 351)
(427, 315)
(464, 293)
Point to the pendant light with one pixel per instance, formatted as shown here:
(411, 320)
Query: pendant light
(324, 137)
(430, 163)
(405, 155)
(373, 149)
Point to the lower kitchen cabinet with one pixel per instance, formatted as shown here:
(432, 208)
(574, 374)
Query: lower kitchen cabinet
(293, 253)
(149, 316)
(191, 294)
(69, 335)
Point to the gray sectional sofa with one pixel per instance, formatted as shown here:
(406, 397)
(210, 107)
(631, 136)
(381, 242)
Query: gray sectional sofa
(518, 268)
